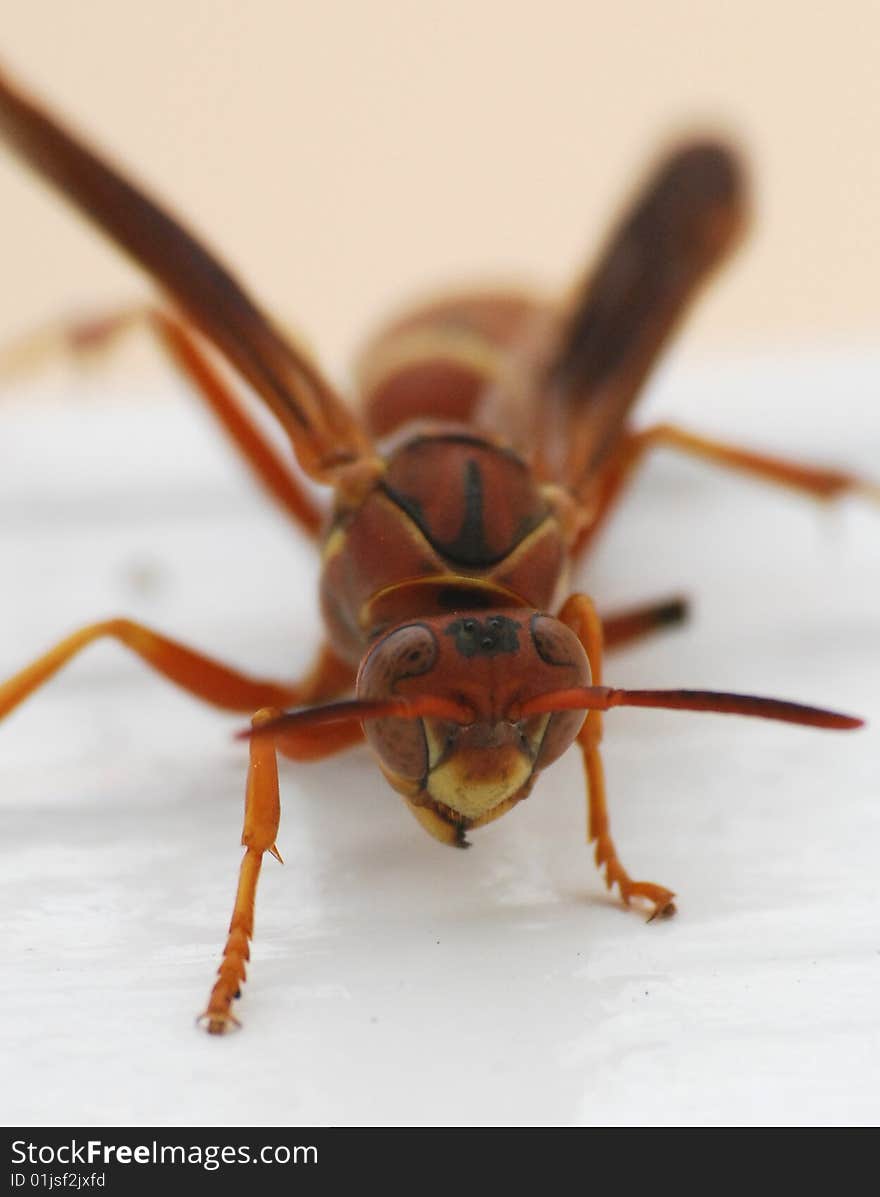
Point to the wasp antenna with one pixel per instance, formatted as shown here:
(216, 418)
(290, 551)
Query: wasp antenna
(356, 710)
(603, 698)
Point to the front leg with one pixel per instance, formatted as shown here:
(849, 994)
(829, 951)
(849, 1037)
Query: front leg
(579, 614)
(262, 813)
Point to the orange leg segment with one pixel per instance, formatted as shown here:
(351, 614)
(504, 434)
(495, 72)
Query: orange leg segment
(226, 688)
(197, 674)
(262, 814)
(99, 334)
(814, 481)
(261, 818)
(580, 615)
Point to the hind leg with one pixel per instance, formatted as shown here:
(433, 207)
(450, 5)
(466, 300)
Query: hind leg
(813, 481)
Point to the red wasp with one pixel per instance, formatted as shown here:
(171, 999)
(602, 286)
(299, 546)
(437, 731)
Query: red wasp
(492, 442)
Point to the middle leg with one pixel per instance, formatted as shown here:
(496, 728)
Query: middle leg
(194, 672)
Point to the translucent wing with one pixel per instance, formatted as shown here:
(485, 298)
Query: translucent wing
(324, 432)
(682, 224)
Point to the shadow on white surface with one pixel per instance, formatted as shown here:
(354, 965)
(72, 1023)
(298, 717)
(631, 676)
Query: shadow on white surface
(393, 981)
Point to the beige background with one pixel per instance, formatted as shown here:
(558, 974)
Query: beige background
(345, 155)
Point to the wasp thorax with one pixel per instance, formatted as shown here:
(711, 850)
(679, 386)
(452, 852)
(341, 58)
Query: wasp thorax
(489, 663)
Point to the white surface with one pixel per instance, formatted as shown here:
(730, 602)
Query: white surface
(395, 981)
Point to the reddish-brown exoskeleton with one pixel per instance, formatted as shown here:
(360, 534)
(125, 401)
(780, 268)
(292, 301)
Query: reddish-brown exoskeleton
(492, 442)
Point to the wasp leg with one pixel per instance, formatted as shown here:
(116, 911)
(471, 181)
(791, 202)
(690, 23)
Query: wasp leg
(231, 690)
(261, 817)
(262, 813)
(194, 672)
(814, 481)
(623, 627)
(580, 615)
(99, 334)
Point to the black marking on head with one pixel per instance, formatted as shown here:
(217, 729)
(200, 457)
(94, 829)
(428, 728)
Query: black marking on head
(485, 637)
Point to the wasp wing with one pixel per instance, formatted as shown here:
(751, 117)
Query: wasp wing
(325, 434)
(682, 224)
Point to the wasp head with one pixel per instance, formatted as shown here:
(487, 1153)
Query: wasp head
(489, 663)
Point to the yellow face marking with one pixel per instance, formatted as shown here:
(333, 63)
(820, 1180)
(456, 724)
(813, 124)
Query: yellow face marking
(436, 742)
(474, 780)
(536, 738)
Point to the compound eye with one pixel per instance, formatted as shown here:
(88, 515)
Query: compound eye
(559, 648)
(557, 644)
(408, 652)
(399, 743)
(562, 728)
